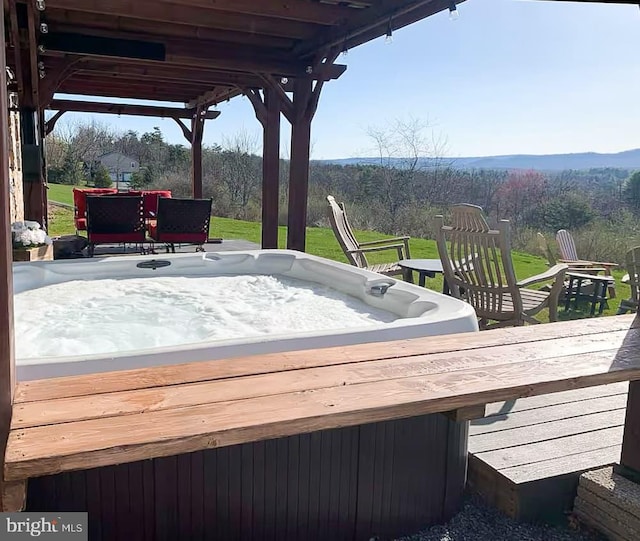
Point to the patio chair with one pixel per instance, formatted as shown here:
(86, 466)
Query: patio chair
(569, 255)
(114, 219)
(355, 251)
(477, 265)
(586, 285)
(181, 221)
(632, 264)
(80, 204)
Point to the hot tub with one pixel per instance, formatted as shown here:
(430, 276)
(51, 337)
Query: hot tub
(372, 481)
(54, 302)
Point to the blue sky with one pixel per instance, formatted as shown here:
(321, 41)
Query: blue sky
(508, 76)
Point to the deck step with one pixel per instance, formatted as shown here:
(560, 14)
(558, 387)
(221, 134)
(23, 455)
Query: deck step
(527, 455)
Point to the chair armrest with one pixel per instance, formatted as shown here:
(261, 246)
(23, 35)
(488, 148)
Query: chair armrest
(377, 249)
(550, 274)
(591, 270)
(383, 241)
(584, 263)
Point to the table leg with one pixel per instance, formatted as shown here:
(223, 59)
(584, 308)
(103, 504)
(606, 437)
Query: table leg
(422, 278)
(567, 298)
(603, 297)
(578, 288)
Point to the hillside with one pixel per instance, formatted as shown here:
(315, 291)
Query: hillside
(629, 159)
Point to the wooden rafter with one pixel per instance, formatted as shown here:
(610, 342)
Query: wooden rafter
(50, 124)
(309, 12)
(150, 10)
(109, 25)
(126, 109)
(185, 131)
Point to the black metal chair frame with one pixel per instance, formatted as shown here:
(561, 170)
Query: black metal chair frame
(116, 216)
(182, 216)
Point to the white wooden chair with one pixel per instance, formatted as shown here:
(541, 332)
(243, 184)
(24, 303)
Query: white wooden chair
(477, 265)
(355, 251)
(569, 255)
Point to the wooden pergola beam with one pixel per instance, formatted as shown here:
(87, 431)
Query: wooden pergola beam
(126, 109)
(50, 124)
(101, 24)
(158, 72)
(310, 12)
(150, 10)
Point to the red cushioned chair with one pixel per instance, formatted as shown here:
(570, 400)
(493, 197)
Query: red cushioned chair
(113, 219)
(181, 221)
(80, 204)
(150, 201)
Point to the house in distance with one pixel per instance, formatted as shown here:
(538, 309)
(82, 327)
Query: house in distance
(120, 166)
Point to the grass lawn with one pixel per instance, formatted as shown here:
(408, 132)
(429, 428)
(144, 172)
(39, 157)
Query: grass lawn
(322, 242)
(61, 193)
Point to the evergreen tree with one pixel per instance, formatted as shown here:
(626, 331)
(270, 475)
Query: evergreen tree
(101, 178)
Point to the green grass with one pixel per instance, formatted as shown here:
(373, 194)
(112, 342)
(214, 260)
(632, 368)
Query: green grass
(322, 242)
(60, 193)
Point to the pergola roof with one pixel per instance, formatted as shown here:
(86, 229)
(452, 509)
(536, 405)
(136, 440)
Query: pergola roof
(188, 50)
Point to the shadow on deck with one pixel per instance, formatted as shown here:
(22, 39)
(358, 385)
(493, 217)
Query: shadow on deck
(525, 456)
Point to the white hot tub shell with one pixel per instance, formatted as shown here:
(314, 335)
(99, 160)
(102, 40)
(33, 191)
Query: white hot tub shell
(419, 311)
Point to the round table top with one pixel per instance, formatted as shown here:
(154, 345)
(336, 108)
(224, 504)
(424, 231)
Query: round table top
(425, 265)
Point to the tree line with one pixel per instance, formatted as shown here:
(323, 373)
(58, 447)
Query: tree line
(396, 195)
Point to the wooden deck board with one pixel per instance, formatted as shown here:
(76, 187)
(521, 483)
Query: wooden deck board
(534, 449)
(542, 401)
(87, 421)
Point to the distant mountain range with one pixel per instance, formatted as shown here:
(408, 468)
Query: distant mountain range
(629, 159)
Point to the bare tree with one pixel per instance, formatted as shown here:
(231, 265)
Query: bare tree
(403, 148)
(241, 170)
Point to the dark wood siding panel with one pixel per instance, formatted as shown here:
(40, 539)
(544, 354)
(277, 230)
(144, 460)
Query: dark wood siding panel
(379, 480)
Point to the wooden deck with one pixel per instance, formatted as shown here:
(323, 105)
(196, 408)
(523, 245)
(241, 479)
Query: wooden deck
(526, 455)
(86, 421)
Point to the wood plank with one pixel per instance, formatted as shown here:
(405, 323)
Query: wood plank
(609, 328)
(566, 397)
(150, 10)
(504, 439)
(317, 13)
(610, 507)
(554, 467)
(77, 445)
(602, 521)
(127, 109)
(534, 453)
(159, 398)
(537, 419)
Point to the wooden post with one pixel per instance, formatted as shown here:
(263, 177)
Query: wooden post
(299, 165)
(630, 460)
(197, 131)
(34, 183)
(7, 360)
(271, 170)
(267, 111)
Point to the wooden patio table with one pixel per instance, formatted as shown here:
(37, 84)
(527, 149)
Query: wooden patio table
(86, 422)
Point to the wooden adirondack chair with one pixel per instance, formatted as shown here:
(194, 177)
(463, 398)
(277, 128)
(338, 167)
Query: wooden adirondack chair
(477, 265)
(632, 264)
(355, 251)
(569, 255)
